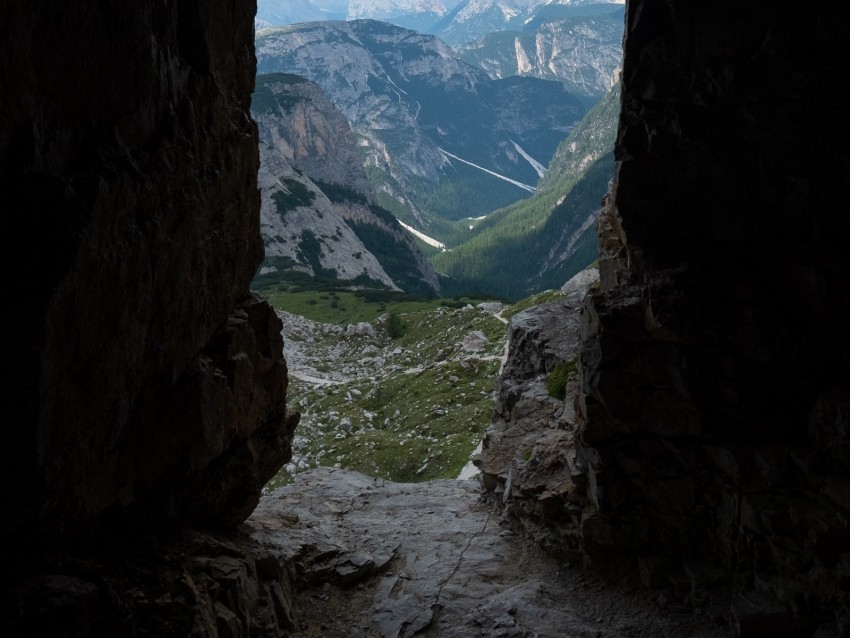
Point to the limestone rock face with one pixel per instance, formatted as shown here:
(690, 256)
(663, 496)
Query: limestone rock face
(311, 234)
(311, 133)
(144, 371)
(318, 208)
(529, 463)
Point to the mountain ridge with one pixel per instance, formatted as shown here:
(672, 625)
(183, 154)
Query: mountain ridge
(318, 213)
(407, 95)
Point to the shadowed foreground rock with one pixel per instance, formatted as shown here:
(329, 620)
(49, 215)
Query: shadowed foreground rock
(375, 559)
(149, 387)
(530, 462)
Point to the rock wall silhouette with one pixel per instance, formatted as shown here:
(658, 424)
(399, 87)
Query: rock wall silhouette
(149, 385)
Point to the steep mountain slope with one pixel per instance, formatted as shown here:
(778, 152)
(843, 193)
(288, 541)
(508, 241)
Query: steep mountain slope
(437, 131)
(583, 51)
(319, 215)
(474, 19)
(295, 116)
(302, 231)
(542, 242)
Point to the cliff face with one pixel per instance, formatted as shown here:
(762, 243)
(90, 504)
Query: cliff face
(295, 117)
(321, 217)
(714, 363)
(150, 384)
(583, 52)
(303, 231)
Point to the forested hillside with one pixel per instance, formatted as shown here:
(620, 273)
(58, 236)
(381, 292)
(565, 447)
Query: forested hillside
(541, 242)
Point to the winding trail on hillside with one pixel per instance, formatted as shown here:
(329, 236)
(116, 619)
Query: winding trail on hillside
(311, 379)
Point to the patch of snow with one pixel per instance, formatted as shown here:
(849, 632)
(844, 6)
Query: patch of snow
(537, 166)
(530, 189)
(428, 240)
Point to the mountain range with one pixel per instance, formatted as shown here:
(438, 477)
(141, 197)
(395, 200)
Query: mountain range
(440, 136)
(420, 15)
(581, 51)
(455, 21)
(475, 19)
(396, 124)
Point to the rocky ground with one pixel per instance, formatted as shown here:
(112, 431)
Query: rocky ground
(409, 408)
(376, 559)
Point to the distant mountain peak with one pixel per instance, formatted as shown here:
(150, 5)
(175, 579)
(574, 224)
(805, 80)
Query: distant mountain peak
(358, 9)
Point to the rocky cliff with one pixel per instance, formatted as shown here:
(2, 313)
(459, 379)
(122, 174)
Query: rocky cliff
(531, 464)
(150, 384)
(582, 51)
(304, 232)
(710, 420)
(319, 213)
(296, 117)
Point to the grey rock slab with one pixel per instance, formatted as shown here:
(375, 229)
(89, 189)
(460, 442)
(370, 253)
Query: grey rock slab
(430, 559)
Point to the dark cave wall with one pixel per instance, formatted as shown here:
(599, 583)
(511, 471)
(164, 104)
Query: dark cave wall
(716, 354)
(149, 385)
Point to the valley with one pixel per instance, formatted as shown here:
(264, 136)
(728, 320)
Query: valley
(415, 196)
(393, 387)
(455, 177)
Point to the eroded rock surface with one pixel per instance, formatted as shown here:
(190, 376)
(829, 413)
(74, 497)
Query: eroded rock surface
(375, 559)
(529, 462)
(149, 386)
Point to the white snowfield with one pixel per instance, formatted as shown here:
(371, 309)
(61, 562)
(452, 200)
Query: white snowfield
(537, 166)
(428, 240)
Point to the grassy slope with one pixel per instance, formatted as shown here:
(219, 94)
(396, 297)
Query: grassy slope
(415, 415)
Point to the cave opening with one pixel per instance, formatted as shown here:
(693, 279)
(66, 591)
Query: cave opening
(150, 384)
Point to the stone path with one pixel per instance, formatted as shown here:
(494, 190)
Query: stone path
(376, 559)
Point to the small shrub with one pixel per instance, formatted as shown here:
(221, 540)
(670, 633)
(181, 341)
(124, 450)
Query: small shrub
(395, 326)
(556, 383)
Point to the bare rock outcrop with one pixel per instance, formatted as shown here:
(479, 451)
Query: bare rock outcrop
(149, 392)
(377, 559)
(529, 463)
(713, 363)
